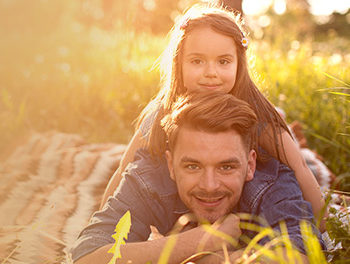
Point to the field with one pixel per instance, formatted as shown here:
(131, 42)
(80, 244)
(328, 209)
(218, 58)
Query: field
(61, 72)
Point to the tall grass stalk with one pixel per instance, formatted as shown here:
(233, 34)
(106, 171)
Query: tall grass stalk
(167, 250)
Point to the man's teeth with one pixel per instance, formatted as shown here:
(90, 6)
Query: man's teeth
(209, 200)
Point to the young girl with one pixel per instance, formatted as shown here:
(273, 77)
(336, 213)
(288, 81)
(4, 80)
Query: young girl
(207, 50)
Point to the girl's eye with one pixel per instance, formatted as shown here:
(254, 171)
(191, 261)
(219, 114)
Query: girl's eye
(196, 61)
(224, 61)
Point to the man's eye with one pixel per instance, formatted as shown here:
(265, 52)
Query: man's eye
(226, 167)
(192, 167)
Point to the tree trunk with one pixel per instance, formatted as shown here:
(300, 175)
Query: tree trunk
(234, 4)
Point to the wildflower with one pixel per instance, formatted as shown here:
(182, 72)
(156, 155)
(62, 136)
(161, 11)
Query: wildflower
(244, 42)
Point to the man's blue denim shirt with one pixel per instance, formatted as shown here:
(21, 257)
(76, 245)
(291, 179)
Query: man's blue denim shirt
(147, 191)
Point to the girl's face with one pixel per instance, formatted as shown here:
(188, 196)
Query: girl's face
(209, 61)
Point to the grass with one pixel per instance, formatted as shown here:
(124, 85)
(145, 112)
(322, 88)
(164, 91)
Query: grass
(279, 248)
(78, 78)
(94, 82)
(96, 89)
(302, 82)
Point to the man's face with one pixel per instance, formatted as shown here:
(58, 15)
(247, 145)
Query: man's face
(210, 170)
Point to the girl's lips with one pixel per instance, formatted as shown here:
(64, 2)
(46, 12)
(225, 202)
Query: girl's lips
(211, 87)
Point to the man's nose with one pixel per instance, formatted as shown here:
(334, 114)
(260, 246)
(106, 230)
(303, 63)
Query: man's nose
(209, 181)
(210, 70)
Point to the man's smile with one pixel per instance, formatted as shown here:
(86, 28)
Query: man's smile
(209, 202)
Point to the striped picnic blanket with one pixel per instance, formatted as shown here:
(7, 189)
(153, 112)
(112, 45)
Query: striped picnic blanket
(50, 186)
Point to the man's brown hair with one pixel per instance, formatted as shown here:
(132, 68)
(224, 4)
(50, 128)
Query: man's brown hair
(211, 112)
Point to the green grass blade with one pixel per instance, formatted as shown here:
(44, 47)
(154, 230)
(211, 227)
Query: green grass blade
(121, 232)
(336, 79)
(168, 248)
(312, 246)
(222, 235)
(330, 142)
(257, 238)
(338, 93)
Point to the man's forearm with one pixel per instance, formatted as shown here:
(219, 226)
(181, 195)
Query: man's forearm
(98, 256)
(185, 245)
(233, 256)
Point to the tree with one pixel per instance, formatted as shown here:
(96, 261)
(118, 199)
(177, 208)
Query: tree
(234, 4)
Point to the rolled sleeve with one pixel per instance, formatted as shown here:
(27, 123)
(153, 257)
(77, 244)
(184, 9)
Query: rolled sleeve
(88, 242)
(102, 224)
(283, 202)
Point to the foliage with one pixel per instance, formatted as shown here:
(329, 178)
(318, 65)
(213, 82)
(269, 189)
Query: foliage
(167, 250)
(279, 248)
(75, 75)
(73, 78)
(313, 249)
(295, 81)
(339, 231)
(121, 232)
(306, 74)
(334, 25)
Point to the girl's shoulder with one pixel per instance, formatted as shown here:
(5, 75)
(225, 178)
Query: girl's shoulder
(149, 119)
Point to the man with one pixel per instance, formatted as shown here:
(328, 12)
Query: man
(212, 165)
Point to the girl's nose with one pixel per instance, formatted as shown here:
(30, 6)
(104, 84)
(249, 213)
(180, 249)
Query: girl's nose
(210, 70)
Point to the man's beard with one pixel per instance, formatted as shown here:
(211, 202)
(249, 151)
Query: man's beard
(210, 214)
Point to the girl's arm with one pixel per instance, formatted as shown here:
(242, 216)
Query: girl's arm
(136, 142)
(290, 155)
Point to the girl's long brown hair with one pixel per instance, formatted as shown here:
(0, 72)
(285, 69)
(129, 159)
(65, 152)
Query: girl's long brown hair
(229, 24)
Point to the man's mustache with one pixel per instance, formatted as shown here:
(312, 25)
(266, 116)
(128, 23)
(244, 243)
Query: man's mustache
(210, 195)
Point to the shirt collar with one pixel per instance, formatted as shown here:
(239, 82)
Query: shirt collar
(180, 208)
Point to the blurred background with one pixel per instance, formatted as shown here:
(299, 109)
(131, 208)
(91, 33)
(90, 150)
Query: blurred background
(88, 66)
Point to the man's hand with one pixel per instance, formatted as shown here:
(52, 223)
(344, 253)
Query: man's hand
(224, 231)
(229, 225)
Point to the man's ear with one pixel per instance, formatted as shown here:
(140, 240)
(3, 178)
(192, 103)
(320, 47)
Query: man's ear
(251, 165)
(169, 159)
